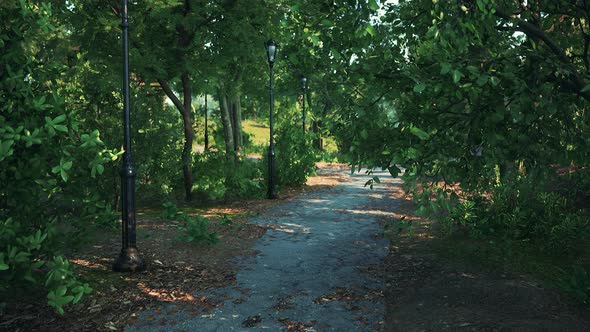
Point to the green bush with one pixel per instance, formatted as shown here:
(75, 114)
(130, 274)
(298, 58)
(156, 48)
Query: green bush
(522, 211)
(169, 210)
(23, 260)
(196, 230)
(577, 283)
(49, 160)
(217, 177)
(294, 157)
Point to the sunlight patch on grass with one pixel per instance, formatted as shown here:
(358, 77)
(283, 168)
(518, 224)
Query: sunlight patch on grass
(259, 133)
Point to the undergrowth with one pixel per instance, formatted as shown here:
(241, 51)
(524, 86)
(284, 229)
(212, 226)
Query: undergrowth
(521, 225)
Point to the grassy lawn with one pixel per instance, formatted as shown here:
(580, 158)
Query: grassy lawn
(259, 136)
(259, 133)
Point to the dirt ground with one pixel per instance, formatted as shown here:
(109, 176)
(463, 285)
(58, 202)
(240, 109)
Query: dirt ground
(425, 292)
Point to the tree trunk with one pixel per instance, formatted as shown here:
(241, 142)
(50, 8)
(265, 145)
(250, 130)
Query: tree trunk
(227, 122)
(252, 109)
(189, 135)
(185, 112)
(237, 124)
(316, 125)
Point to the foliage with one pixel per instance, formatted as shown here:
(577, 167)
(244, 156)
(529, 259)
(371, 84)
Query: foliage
(398, 226)
(196, 230)
(217, 177)
(63, 286)
(169, 210)
(23, 261)
(49, 158)
(577, 283)
(225, 219)
(294, 156)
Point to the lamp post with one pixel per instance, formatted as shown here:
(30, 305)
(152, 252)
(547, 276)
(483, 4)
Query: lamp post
(206, 111)
(303, 87)
(271, 53)
(129, 259)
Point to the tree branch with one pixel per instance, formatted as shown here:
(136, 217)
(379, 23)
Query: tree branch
(171, 95)
(533, 31)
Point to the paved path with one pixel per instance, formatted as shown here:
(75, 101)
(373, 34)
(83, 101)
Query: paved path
(310, 270)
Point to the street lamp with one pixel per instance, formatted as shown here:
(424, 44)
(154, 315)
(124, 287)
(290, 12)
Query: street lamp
(271, 53)
(129, 259)
(206, 111)
(303, 87)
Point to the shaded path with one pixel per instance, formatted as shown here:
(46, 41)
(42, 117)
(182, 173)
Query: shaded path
(309, 273)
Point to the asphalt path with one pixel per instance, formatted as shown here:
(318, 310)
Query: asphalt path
(314, 270)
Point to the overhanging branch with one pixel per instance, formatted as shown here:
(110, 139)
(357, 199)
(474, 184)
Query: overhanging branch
(171, 95)
(531, 30)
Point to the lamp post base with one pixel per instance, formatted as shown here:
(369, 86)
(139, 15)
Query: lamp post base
(271, 171)
(129, 261)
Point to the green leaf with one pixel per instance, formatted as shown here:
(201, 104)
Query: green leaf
(457, 75)
(59, 119)
(314, 40)
(498, 116)
(294, 58)
(413, 153)
(78, 297)
(420, 87)
(6, 149)
(585, 89)
(61, 291)
(481, 5)
(364, 134)
(4, 267)
(482, 80)
(64, 300)
(370, 30)
(373, 5)
(421, 134)
(327, 22)
(67, 165)
(494, 80)
(445, 68)
(37, 265)
(64, 175)
(394, 171)
(61, 128)
(100, 168)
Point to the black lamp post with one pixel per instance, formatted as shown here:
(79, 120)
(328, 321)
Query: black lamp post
(303, 87)
(129, 259)
(206, 111)
(271, 53)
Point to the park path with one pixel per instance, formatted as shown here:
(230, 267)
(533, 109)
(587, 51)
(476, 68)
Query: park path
(314, 270)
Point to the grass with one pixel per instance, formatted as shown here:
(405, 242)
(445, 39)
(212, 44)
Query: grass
(259, 139)
(259, 133)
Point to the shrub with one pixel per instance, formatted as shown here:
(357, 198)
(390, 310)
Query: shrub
(294, 157)
(49, 159)
(522, 211)
(217, 177)
(196, 230)
(577, 283)
(23, 261)
(169, 210)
